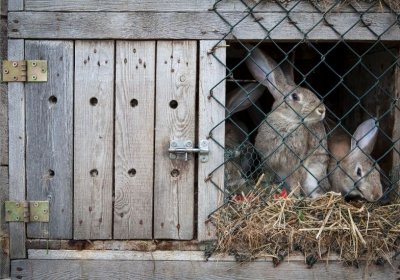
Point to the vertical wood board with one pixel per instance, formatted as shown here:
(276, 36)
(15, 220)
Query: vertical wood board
(93, 139)
(15, 5)
(49, 132)
(175, 120)
(3, 96)
(212, 72)
(16, 136)
(4, 236)
(134, 138)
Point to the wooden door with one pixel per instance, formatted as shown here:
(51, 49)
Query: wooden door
(98, 132)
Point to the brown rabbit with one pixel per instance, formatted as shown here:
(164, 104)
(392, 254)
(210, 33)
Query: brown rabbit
(351, 170)
(292, 139)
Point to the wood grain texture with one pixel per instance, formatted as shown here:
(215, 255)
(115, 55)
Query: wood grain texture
(211, 113)
(15, 5)
(174, 179)
(3, 97)
(155, 25)
(49, 133)
(4, 236)
(93, 139)
(134, 138)
(106, 269)
(16, 136)
(3, 7)
(184, 5)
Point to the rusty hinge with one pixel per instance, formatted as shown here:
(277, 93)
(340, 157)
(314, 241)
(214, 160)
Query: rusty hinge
(27, 211)
(25, 71)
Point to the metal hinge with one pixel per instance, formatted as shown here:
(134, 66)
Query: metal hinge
(27, 211)
(24, 71)
(179, 149)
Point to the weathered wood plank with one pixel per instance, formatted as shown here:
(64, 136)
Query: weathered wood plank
(4, 237)
(15, 5)
(211, 113)
(3, 7)
(134, 137)
(93, 139)
(155, 25)
(3, 97)
(175, 120)
(106, 269)
(49, 133)
(16, 136)
(184, 5)
(115, 245)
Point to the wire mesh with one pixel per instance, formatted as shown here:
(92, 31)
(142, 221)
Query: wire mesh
(306, 116)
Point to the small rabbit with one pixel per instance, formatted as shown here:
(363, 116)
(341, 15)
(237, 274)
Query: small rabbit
(292, 139)
(351, 170)
(238, 148)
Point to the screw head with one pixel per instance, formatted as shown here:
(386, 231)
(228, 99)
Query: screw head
(35, 218)
(188, 144)
(17, 204)
(34, 77)
(35, 204)
(15, 64)
(43, 70)
(34, 64)
(45, 211)
(204, 143)
(17, 218)
(174, 144)
(6, 71)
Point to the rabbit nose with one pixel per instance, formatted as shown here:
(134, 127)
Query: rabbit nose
(321, 110)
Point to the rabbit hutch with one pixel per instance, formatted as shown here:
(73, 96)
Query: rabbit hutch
(200, 139)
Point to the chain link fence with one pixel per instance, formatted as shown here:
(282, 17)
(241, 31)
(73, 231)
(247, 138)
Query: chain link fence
(306, 116)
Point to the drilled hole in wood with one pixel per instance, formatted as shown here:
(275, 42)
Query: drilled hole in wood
(175, 173)
(93, 101)
(94, 172)
(134, 102)
(52, 99)
(173, 104)
(132, 172)
(51, 173)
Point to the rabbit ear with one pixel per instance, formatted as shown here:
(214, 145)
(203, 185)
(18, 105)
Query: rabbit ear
(242, 98)
(365, 136)
(265, 70)
(287, 69)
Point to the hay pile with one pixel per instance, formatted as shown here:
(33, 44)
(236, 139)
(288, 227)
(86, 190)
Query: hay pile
(260, 226)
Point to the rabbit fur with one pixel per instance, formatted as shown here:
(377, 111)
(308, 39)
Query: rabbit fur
(351, 170)
(292, 139)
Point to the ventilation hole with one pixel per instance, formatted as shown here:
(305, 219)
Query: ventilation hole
(173, 104)
(132, 172)
(175, 173)
(93, 101)
(52, 99)
(94, 172)
(51, 173)
(134, 102)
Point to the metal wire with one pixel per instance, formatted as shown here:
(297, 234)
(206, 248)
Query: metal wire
(244, 160)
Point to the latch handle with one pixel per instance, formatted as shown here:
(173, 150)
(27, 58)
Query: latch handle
(181, 148)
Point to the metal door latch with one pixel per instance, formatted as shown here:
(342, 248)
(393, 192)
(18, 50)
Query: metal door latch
(25, 71)
(27, 211)
(179, 149)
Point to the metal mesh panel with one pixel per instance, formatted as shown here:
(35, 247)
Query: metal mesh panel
(310, 116)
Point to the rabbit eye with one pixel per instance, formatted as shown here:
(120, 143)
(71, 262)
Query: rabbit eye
(359, 173)
(295, 97)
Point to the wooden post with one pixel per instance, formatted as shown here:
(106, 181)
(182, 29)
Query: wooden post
(212, 73)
